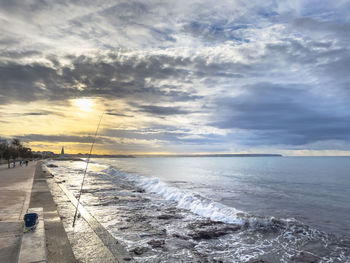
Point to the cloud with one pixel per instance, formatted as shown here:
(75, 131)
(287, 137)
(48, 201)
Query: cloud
(267, 73)
(279, 114)
(121, 78)
(161, 110)
(111, 113)
(63, 138)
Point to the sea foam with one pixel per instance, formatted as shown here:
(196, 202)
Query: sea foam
(192, 201)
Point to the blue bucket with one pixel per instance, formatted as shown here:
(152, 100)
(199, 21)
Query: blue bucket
(30, 219)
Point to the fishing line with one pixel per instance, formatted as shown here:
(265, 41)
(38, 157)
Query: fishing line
(87, 164)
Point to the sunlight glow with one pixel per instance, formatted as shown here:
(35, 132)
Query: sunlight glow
(84, 104)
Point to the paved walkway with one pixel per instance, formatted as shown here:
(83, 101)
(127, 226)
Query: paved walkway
(59, 249)
(15, 189)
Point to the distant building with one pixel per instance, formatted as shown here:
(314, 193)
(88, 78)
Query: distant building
(44, 154)
(62, 152)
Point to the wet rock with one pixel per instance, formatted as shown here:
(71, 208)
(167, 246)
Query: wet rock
(140, 218)
(213, 232)
(52, 166)
(139, 190)
(84, 191)
(167, 217)
(139, 250)
(154, 233)
(109, 200)
(156, 243)
(180, 236)
(305, 257)
(203, 224)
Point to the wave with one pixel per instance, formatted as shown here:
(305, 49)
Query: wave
(285, 238)
(197, 204)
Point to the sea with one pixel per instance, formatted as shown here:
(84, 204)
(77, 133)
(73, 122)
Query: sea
(219, 209)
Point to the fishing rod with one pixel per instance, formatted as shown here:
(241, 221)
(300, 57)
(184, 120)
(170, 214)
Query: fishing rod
(87, 164)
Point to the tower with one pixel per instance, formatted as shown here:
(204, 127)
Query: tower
(62, 151)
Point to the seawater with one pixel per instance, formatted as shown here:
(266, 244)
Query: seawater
(286, 208)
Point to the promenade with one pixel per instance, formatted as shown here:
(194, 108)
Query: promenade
(27, 187)
(22, 188)
(15, 190)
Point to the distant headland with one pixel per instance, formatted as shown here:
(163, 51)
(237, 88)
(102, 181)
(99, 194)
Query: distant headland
(72, 156)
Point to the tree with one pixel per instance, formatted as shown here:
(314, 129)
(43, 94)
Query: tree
(14, 150)
(6, 152)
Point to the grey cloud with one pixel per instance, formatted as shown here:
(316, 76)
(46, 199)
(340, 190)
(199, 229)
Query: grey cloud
(119, 79)
(309, 45)
(278, 114)
(63, 138)
(323, 29)
(111, 113)
(312, 24)
(6, 41)
(169, 138)
(166, 134)
(161, 110)
(38, 113)
(19, 54)
(216, 31)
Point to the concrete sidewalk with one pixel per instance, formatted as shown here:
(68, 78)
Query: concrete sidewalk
(59, 249)
(15, 190)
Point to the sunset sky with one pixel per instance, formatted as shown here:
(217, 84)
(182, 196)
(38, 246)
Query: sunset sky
(177, 76)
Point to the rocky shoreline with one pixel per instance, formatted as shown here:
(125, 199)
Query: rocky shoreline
(155, 230)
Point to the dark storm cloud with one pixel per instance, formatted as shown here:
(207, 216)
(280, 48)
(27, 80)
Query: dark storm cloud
(62, 138)
(279, 114)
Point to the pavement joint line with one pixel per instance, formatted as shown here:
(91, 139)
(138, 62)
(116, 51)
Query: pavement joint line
(119, 253)
(27, 199)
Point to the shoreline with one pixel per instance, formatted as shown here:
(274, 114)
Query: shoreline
(89, 240)
(155, 228)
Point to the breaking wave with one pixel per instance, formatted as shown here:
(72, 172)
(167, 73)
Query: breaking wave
(198, 204)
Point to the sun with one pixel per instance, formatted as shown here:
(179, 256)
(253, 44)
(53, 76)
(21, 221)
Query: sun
(84, 104)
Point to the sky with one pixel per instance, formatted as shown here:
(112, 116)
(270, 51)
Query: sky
(176, 76)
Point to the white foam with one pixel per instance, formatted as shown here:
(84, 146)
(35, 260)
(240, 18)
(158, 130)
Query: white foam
(186, 200)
